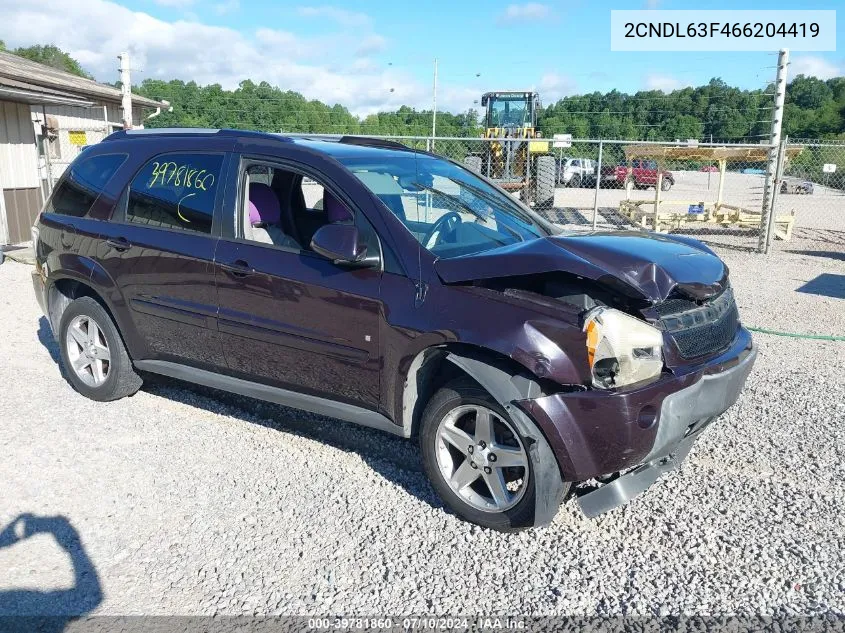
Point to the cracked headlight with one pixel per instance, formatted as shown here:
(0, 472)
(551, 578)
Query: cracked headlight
(622, 350)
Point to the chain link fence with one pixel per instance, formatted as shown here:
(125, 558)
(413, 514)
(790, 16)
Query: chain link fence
(812, 189)
(65, 144)
(714, 192)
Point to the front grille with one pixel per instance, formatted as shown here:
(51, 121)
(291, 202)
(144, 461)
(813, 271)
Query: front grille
(702, 329)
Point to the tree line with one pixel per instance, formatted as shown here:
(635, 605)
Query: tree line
(815, 109)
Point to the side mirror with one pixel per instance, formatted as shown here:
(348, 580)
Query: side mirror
(339, 243)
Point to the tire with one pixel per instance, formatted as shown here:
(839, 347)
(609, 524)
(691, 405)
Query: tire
(545, 182)
(473, 163)
(457, 400)
(99, 368)
(576, 181)
(666, 184)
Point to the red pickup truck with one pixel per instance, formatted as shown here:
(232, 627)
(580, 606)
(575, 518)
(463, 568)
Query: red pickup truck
(641, 174)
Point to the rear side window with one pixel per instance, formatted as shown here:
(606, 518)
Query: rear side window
(84, 182)
(176, 191)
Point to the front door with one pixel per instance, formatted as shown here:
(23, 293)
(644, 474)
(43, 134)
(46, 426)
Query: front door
(288, 316)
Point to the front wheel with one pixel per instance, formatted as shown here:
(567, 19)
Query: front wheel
(665, 184)
(479, 461)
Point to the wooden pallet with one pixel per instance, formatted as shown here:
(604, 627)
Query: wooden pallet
(639, 214)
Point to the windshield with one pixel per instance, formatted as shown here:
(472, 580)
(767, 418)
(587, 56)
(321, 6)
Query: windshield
(507, 112)
(448, 209)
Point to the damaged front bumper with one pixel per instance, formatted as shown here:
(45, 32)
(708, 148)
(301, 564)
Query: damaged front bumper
(644, 431)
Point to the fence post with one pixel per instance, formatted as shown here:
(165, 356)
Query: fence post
(598, 186)
(771, 175)
(770, 229)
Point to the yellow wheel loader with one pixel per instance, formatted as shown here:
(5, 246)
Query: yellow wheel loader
(517, 158)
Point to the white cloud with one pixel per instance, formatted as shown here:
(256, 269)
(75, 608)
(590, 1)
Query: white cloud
(528, 12)
(652, 4)
(814, 66)
(175, 3)
(189, 50)
(229, 6)
(371, 44)
(666, 83)
(554, 87)
(343, 17)
(318, 66)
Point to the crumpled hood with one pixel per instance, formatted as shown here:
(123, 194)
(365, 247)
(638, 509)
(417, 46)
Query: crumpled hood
(650, 265)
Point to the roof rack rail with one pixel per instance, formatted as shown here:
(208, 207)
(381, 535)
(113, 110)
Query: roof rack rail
(189, 131)
(367, 141)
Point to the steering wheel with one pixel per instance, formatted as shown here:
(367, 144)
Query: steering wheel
(444, 224)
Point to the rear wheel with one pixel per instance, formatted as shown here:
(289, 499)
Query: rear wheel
(665, 184)
(478, 460)
(545, 182)
(95, 359)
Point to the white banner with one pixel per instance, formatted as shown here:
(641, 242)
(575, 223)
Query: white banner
(709, 30)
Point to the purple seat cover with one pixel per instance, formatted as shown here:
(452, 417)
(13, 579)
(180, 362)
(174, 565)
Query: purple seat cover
(336, 211)
(264, 207)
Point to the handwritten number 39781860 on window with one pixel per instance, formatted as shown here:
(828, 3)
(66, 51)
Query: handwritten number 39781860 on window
(173, 174)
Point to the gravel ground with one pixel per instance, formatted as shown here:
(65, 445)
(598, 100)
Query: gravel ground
(188, 501)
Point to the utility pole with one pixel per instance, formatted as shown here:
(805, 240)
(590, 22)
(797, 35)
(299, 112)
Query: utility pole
(126, 89)
(771, 169)
(434, 104)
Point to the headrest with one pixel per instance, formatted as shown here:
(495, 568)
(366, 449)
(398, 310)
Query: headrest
(264, 206)
(335, 210)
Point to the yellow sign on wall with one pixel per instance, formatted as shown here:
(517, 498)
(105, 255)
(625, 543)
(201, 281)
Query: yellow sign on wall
(78, 137)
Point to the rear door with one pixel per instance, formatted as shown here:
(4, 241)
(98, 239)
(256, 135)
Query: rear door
(288, 316)
(159, 250)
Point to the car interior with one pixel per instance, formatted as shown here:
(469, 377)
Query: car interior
(277, 210)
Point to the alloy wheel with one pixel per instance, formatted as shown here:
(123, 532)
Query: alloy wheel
(482, 458)
(88, 351)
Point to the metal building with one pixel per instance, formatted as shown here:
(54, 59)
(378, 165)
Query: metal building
(46, 117)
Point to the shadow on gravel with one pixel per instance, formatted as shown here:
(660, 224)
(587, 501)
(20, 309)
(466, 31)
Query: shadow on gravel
(394, 458)
(49, 611)
(45, 337)
(826, 285)
(831, 254)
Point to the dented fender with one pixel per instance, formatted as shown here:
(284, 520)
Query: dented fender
(506, 389)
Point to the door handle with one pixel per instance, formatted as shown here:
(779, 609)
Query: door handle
(119, 244)
(238, 268)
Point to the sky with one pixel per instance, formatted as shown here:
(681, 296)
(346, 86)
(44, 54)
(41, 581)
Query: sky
(379, 54)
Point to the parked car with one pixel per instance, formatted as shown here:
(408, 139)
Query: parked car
(577, 172)
(709, 168)
(397, 290)
(794, 185)
(641, 174)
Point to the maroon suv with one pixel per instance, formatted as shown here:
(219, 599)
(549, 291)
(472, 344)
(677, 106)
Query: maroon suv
(395, 289)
